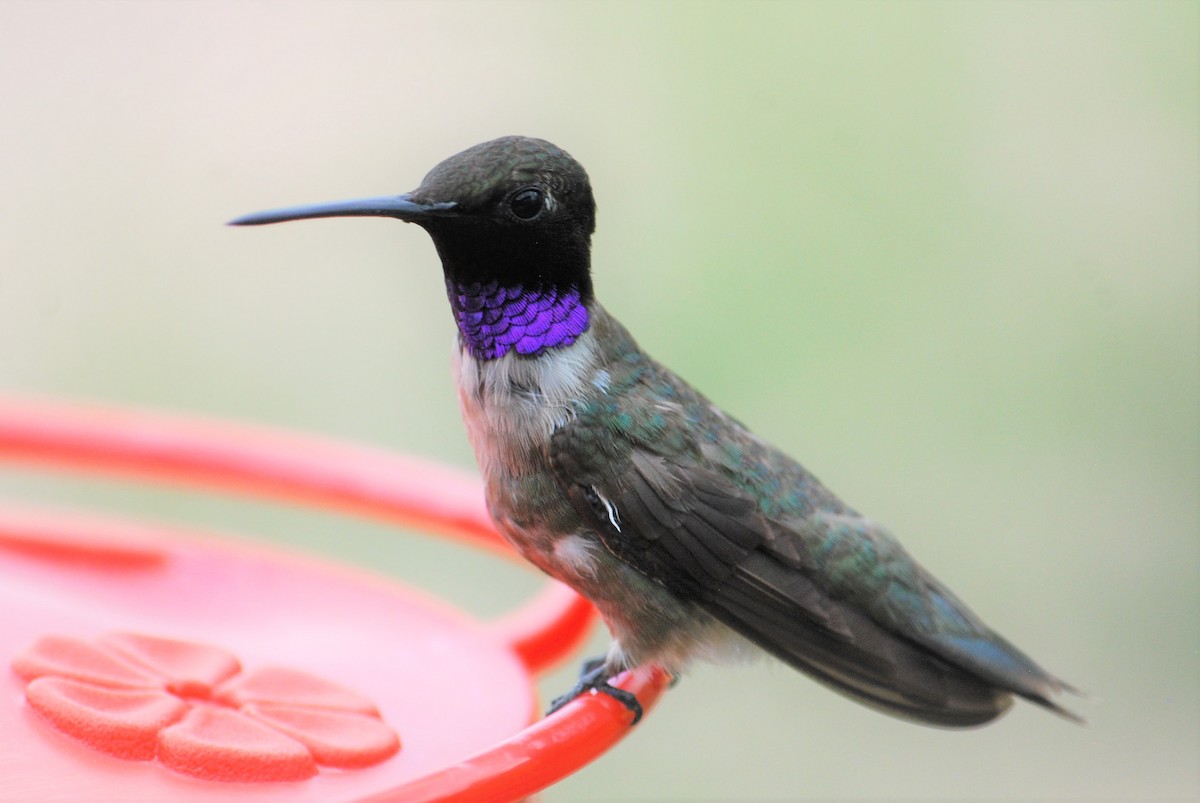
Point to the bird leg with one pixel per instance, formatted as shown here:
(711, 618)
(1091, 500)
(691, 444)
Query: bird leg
(593, 677)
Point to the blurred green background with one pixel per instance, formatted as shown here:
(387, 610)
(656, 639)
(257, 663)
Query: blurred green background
(945, 253)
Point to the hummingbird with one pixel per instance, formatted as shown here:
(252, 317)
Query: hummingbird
(693, 537)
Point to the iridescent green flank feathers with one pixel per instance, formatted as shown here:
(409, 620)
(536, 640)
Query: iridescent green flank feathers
(694, 537)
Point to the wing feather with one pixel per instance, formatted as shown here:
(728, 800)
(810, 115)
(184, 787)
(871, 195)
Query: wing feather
(799, 574)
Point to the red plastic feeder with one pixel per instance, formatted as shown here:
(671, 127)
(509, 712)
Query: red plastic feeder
(152, 664)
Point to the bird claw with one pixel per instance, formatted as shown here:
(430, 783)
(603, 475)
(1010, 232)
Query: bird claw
(592, 678)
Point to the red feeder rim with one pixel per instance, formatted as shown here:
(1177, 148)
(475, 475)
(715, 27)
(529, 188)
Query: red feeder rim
(165, 697)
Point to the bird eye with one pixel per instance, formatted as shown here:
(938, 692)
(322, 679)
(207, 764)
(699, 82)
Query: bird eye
(528, 203)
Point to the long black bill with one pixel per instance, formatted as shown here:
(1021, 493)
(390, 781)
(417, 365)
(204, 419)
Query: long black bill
(397, 206)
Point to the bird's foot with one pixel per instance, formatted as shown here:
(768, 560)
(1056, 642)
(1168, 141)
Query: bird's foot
(592, 677)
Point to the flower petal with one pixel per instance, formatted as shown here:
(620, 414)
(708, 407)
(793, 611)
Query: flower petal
(122, 722)
(191, 670)
(73, 658)
(221, 745)
(335, 738)
(290, 687)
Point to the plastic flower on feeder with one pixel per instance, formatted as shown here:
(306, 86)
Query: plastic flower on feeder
(193, 708)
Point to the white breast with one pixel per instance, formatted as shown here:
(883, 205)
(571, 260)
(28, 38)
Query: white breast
(511, 405)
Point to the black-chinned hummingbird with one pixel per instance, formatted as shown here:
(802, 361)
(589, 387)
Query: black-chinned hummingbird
(693, 537)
